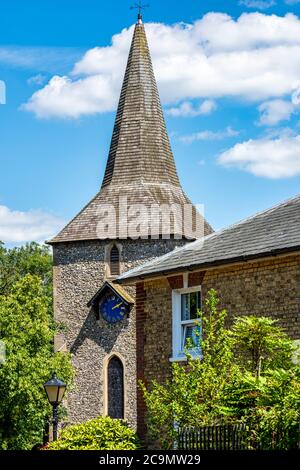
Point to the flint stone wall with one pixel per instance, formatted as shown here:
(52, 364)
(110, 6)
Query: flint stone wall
(79, 272)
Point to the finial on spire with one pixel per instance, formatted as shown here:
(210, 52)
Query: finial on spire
(140, 8)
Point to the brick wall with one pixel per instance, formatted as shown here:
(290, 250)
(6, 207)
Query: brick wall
(140, 349)
(270, 288)
(267, 287)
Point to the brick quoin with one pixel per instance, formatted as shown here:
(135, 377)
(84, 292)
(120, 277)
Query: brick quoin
(141, 316)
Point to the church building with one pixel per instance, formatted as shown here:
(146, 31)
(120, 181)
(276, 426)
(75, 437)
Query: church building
(97, 246)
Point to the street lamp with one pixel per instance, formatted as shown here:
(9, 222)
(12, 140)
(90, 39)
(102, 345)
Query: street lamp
(55, 390)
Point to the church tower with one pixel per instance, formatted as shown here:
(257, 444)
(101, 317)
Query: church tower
(96, 246)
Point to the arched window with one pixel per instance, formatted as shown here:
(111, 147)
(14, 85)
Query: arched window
(115, 388)
(114, 261)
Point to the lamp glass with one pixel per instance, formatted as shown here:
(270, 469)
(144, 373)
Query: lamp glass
(55, 390)
(52, 392)
(61, 393)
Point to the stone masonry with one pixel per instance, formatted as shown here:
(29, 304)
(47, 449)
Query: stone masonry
(79, 271)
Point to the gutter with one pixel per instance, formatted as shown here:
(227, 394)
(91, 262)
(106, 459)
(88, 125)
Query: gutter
(209, 264)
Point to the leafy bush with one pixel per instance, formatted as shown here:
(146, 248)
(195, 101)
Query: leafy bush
(102, 433)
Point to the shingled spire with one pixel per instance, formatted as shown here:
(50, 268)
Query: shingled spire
(140, 148)
(140, 164)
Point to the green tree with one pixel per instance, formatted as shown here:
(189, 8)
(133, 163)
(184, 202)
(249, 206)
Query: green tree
(27, 332)
(15, 263)
(262, 344)
(267, 395)
(278, 412)
(196, 392)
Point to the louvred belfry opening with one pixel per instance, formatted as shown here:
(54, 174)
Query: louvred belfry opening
(114, 261)
(140, 164)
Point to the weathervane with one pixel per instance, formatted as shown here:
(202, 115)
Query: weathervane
(140, 7)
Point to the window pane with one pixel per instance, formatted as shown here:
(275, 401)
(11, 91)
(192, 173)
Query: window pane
(190, 304)
(115, 388)
(197, 335)
(191, 336)
(194, 305)
(185, 307)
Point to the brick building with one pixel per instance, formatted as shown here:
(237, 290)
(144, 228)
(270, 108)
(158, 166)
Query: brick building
(93, 248)
(255, 268)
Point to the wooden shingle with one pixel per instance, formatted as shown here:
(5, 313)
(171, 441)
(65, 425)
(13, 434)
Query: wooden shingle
(140, 164)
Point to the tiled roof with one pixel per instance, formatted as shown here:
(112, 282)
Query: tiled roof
(271, 232)
(116, 289)
(140, 163)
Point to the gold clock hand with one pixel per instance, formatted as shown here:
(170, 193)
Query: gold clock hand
(116, 306)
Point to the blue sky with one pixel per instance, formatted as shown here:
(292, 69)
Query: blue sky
(229, 78)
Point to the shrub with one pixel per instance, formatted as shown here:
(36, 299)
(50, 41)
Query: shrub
(102, 433)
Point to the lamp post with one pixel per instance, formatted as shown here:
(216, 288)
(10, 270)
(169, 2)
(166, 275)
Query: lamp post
(55, 390)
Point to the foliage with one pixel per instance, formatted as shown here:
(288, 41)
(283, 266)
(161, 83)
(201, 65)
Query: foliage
(15, 263)
(27, 332)
(196, 392)
(245, 375)
(270, 405)
(102, 433)
(261, 343)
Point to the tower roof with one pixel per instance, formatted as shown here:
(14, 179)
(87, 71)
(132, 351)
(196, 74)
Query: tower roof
(140, 148)
(140, 164)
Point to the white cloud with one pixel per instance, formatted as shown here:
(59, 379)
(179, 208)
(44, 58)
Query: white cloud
(71, 99)
(2, 92)
(42, 58)
(254, 57)
(296, 96)
(186, 109)
(270, 158)
(259, 4)
(38, 79)
(281, 132)
(209, 135)
(274, 111)
(21, 227)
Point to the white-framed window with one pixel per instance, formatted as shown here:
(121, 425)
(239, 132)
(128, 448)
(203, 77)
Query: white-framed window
(186, 325)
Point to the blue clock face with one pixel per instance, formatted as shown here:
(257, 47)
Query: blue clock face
(112, 308)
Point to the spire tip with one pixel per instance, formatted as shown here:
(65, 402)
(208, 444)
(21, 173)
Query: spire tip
(140, 8)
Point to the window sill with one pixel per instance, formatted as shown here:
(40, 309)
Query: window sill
(178, 359)
(184, 358)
